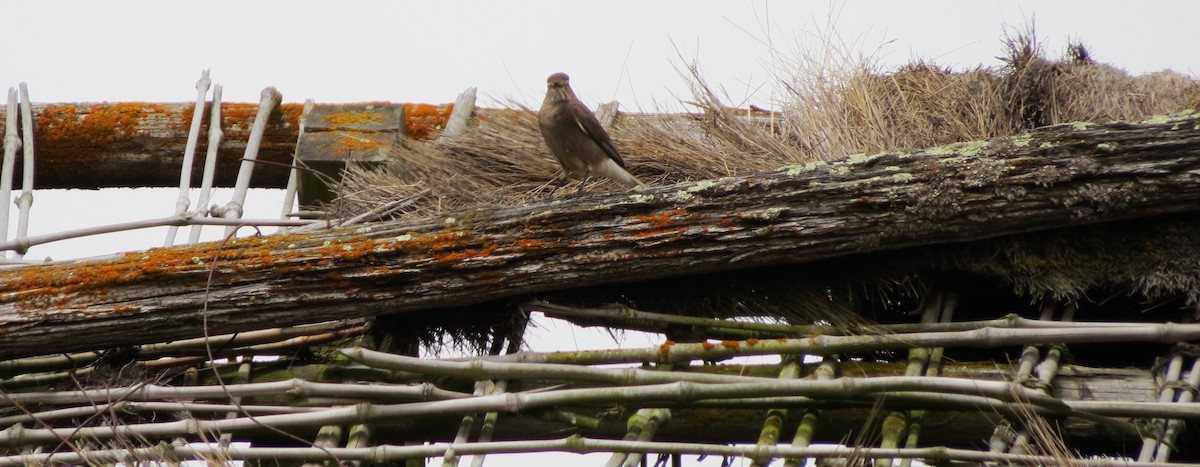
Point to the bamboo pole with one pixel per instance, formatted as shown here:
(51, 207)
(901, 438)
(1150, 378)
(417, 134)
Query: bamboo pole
(808, 423)
(947, 303)
(641, 429)
(986, 337)
(1002, 394)
(487, 430)
(575, 444)
(1175, 426)
(293, 387)
(773, 424)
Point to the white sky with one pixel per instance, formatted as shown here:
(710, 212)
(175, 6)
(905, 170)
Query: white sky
(429, 51)
(625, 50)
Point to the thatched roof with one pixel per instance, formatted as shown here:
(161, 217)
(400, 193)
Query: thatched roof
(853, 226)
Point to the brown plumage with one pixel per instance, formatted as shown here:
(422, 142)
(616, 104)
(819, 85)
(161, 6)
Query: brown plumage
(575, 136)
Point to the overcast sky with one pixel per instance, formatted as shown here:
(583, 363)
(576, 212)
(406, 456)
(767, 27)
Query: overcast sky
(626, 50)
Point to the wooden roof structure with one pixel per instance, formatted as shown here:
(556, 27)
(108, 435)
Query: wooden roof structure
(1027, 299)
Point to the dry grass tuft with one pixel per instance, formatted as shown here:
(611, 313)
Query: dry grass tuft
(834, 108)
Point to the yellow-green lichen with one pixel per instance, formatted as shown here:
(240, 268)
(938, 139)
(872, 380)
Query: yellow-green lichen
(768, 213)
(1022, 140)
(450, 221)
(1080, 125)
(404, 238)
(858, 158)
(902, 177)
(797, 169)
(965, 148)
(640, 198)
(1159, 119)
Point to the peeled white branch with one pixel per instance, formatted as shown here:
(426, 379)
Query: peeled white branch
(293, 387)
(575, 444)
(24, 244)
(189, 152)
(987, 337)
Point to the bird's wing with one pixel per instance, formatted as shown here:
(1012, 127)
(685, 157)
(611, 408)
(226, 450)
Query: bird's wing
(586, 120)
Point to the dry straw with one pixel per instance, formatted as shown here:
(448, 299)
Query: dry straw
(833, 107)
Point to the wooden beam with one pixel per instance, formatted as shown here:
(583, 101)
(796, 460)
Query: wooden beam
(140, 144)
(1053, 177)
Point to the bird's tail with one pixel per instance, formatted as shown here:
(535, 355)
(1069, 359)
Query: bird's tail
(618, 174)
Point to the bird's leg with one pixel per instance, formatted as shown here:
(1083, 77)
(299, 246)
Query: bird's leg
(559, 182)
(587, 174)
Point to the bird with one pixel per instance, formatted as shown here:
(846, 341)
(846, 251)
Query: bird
(575, 137)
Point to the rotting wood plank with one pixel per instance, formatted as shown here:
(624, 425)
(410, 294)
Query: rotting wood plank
(1056, 176)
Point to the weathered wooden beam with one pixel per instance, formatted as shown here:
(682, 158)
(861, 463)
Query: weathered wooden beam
(335, 136)
(140, 144)
(1053, 177)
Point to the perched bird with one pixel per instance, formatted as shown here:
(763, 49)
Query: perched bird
(576, 138)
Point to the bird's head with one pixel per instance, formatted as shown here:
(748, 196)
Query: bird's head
(558, 81)
(558, 88)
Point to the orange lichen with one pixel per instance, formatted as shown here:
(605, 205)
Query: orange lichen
(69, 126)
(426, 121)
(238, 118)
(660, 220)
(352, 119)
(751, 341)
(708, 345)
(659, 224)
(731, 344)
(665, 349)
(528, 245)
(57, 282)
(349, 143)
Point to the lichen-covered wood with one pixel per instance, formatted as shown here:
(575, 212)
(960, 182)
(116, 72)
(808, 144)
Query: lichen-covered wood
(1052, 177)
(139, 144)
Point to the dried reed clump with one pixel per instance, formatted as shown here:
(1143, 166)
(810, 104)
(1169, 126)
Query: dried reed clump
(831, 110)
